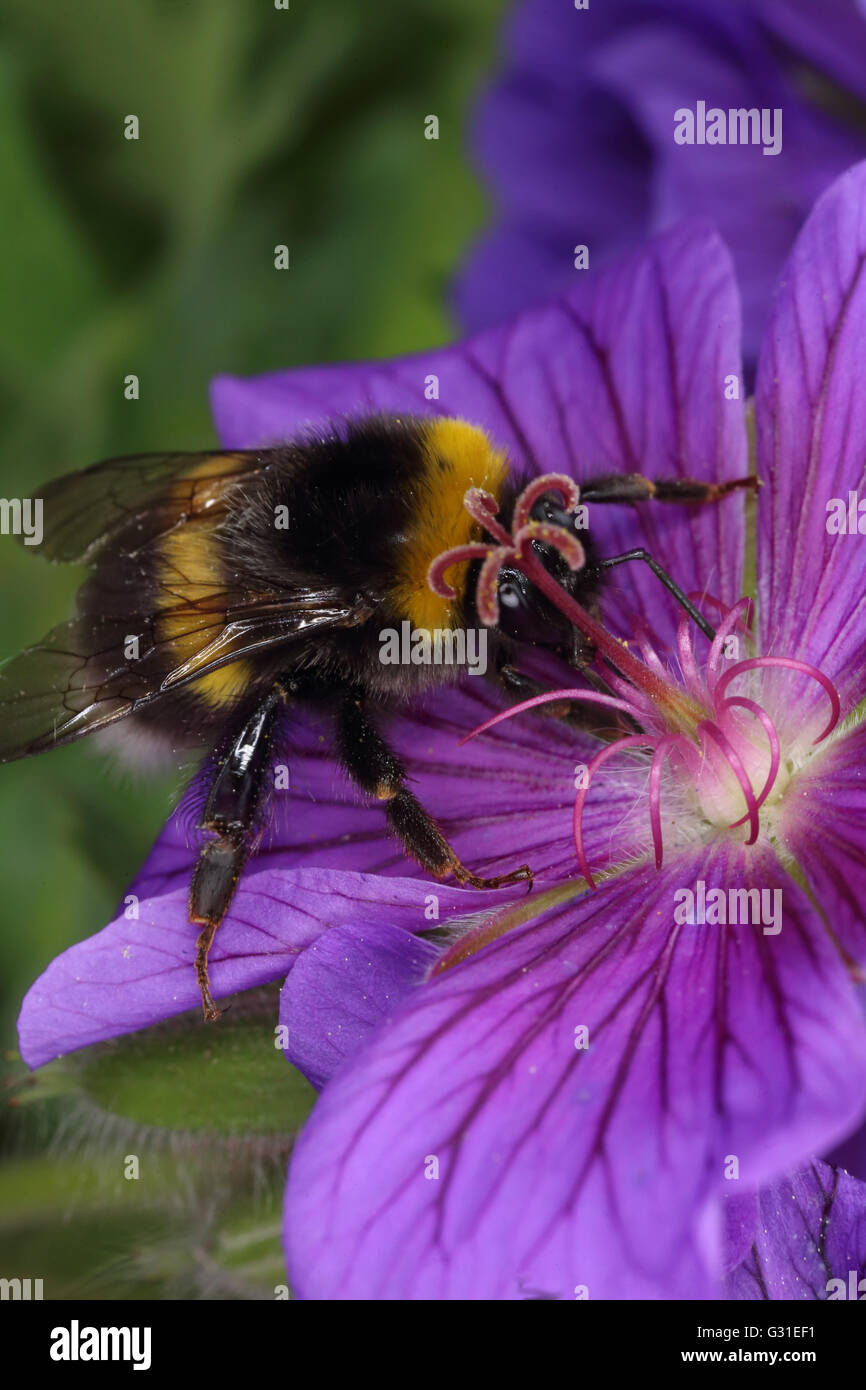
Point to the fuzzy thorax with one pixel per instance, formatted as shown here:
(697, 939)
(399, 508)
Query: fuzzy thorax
(456, 457)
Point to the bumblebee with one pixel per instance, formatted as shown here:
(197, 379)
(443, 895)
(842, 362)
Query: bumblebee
(227, 586)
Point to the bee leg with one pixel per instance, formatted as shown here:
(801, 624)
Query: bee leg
(620, 488)
(372, 765)
(231, 816)
(633, 487)
(661, 574)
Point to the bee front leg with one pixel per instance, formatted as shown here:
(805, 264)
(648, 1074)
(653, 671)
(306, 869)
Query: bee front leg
(372, 765)
(232, 816)
(634, 487)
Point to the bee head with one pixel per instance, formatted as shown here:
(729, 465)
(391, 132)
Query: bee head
(526, 616)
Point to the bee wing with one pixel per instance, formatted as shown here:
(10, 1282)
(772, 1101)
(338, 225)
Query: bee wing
(131, 502)
(92, 671)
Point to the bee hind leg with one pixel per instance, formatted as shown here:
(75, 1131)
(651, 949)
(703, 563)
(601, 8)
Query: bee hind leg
(377, 770)
(232, 816)
(215, 878)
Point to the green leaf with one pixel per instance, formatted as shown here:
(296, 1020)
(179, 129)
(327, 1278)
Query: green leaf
(226, 1077)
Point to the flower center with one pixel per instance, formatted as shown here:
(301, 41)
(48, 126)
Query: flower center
(722, 747)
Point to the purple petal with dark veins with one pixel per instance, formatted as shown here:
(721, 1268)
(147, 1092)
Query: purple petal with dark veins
(136, 973)
(822, 825)
(810, 1241)
(811, 422)
(344, 986)
(560, 1167)
(740, 1218)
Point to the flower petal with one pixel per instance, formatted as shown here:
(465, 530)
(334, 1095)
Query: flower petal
(414, 1175)
(576, 138)
(525, 138)
(740, 1213)
(135, 973)
(625, 374)
(672, 67)
(851, 1153)
(827, 34)
(823, 827)
(811, 1231)
(345, 985)
(811, 422)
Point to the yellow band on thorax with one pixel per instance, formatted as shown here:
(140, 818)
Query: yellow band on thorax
(456, 456)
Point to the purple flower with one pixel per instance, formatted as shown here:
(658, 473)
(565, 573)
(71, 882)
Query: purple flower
(807, 1241)
(577, 138)
(566, 1095)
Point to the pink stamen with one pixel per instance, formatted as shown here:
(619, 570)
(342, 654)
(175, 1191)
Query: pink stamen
(436, 573)
(687, 658)
(707, 727)
(729, 621)
(643, 638)
(568, 546)
(775, 752)
(487, 590)
(616, 682)
(483, 507)
(663, 750)
(630, 741)
(548, 482)
(791, 664)
(589, 697)
(701, 596)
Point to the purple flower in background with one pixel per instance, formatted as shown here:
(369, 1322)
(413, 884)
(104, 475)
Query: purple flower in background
(576, 137)
(561, 1097)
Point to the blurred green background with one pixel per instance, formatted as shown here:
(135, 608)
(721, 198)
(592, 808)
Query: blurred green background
(258, 126)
